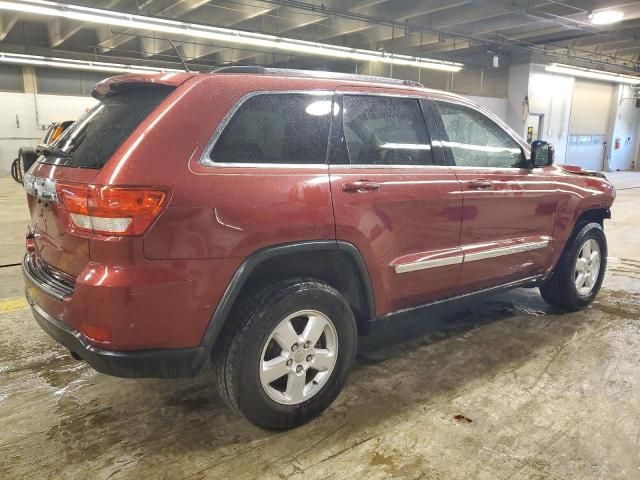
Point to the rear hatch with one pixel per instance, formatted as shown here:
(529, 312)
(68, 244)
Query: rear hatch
(59, 244)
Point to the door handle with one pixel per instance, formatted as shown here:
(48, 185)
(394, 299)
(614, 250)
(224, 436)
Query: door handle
(360, 186)
(479, 184)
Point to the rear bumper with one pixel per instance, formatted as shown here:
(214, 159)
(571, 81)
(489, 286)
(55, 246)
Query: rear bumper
(50, 303)
(166, 363)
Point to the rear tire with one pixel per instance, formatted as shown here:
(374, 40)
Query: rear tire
(580, 271)
(271, 383)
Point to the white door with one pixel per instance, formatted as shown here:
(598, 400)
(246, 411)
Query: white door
(589, 124)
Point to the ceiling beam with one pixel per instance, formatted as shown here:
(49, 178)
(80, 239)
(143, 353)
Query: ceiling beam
(284, 21)
(341, 26)
(441, 21)
(61, 29)
(173, 10)
(7, 21)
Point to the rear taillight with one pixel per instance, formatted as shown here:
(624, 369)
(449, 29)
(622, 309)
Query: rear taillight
(109, 210)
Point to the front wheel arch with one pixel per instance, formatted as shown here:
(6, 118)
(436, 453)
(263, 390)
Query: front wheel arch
(559, 289)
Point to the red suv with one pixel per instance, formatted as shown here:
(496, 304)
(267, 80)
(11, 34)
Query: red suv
(265, 218)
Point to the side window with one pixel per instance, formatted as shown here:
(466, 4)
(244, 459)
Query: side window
(276, 128)
(475, 140)
(385, 131)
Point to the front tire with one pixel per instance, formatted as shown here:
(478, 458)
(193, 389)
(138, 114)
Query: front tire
(286, 353)
(580, 271)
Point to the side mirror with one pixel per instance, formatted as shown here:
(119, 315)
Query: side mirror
(542, 153)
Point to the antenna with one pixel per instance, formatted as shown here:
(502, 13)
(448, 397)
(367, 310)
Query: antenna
(186, 69)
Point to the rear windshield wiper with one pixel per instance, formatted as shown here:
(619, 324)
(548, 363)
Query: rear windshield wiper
(49, 151)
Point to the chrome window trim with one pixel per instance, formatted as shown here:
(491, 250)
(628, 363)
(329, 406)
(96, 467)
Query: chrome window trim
(472, 257)
(205, 161)
(380, 166)
(380, 94)
(491, 116)
(298, 166)
(489, 168)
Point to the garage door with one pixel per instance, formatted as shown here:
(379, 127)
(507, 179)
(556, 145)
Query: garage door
(589, 123)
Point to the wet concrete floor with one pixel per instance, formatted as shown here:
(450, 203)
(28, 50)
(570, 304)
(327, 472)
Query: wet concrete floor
(500, 388)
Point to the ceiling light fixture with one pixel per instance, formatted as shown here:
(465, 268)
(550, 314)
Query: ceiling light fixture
(227, 35)
(66, 63)
(592, 74)
(606, 17)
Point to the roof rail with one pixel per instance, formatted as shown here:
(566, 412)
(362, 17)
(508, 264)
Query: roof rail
(291, 72)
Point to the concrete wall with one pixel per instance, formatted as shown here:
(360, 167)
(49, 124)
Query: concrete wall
(487, 82)
(551, 95)
(625, 125)
(25, 116)
(517, 90)
(497, 105)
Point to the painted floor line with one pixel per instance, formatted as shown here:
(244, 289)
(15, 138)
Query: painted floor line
(12, 304)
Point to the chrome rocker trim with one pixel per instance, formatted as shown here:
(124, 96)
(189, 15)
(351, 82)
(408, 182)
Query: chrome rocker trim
(472, 257)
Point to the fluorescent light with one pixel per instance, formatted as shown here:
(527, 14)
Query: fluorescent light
(593, 74)
(194, 30)
(66, 63)
(606, 16)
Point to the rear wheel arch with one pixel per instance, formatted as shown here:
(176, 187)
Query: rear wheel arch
(340, 264)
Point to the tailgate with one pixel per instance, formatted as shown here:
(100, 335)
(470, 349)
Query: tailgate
(75, 159)
(55, 242)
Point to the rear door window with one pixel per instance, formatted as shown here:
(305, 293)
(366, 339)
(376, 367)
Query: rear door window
(385, 130)
(276, 128)
(95, 136)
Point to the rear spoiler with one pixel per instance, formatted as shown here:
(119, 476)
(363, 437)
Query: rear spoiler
(119, 83)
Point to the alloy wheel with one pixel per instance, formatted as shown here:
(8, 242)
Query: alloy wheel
(587, 267)
(298, 357)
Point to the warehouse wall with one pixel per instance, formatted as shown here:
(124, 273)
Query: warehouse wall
(626, 127)
(552, 95)
(486, 82)
(31, 99)
(497, 105)
(517, 90)
(25, 116)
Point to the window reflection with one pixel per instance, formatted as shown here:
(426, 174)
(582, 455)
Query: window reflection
(322, 107)
(475, 140)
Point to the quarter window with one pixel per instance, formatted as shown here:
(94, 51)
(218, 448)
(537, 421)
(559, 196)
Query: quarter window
(385, 130)
(277, 128)
(475, 140)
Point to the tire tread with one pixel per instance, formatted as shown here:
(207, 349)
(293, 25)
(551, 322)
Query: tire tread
(559, 290)
(249, 310)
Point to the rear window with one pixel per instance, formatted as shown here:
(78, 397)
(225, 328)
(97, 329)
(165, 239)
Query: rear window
(95, 137)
